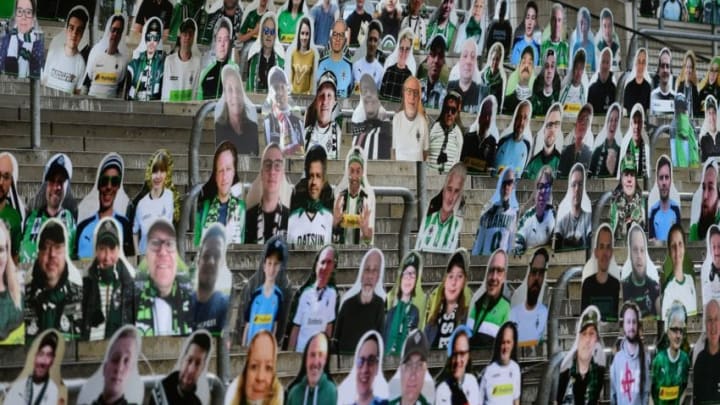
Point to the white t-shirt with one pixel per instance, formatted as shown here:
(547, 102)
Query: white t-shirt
(314, 313)
(329, 138)
(710, 288)
(531, 324)
(469, 387)
(62, 72)
(375, 70)
(452, 149)
(180, 78)
(106, 72)
(163, 317)
(148, 210)
(534, 232)
(303, 231)
(410, 138)
(683, 292)
(16, 395)
(500, 385)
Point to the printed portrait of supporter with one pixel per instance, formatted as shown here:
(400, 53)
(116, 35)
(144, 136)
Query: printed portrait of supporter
(219, 201)
(498, 222)
(362, 307)
(710, 85)
(465, 78)
(448, 303)
(288, 17)
(22, 48)
(474, 27)
(686, 84)
(631, 363)
(53, 294)
(163, 295)
(527, 308)
(492, 77)
(480, 142)
(323, 14)
(446, 138)
(529, 34)
(520, 83)
(209, 83)
(413, 19)
(266, 296)
(258, 380)
(500, 30)
(235, 115)
(456, 380)
(412, 383)
(663, 94)
(117, 380)
(108, 294)
(321, 129)
(12, 207)
(704, 210)
(637, 85)
(65, 66)
(398, 67)
(709, 139)
(40, 381)
(144, 76)
(314, 304)
(709, 270)
(264, 54)
(664, 202)
(187, 383)
(574, 91)
(677, 261)
(182, 65)
(405, 304)
(12, 327)
(433, 73)
(601, 275)
(489, 307)
(371, 129)
(636, 143)
(444, 22)
(514, 147)
(158, 197)
(312, 204)
(671, 364)
(640, 279)
(282, 127)
(313, 379)
(548, 143)
(353, 22)
(536, 224)
(606, 152)
(411, 139)
(209, 302)
(390, 14)
(54, 199)
(584, 365)
(502, 378)
(302, 58)
(582, 38)
(268, 199)
(154, 9)
(556, 39)
(107, 64)
(684, 148)
(250, 28)
(337, 62)
(705, 355)
(212, 11)
(579, 142)
(365, 384)
(546, 89)
(602, 90)
(354, 209)
(628, 205)
(440, 229)
(607, 38)
(679, 286)
(366, 60)
(574, 227)
(106, 199)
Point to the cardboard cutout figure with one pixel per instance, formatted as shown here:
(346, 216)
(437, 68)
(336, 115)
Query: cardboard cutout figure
(627, 206)
(108, 300)
(676, 260)
(637, 87)
(321, 127)
(709, 272)
(267, 295)
(520, 83)
(314, 374)
(182, 65)
(709, 140)
(601, 275)
(145, 70)
(663, 202)
(398, 67)
(312, 203)
(441, 227)
(268, 30)
(405, 386)
(433, 73)
(631, 362)
(501, 380)
(209, 84)
(13, 212)
(640, 279)
(118, 378)
(410, 125)
(635, 143)
(365, 381)
(583, 38)
(22, 49)
(663, 95)
(515, 142)
(456, 380)
(536, 224)
(602, 91)
(405, 304)
(465, 78)
(578, 143)
(490, 305)
(65, 65)
(499, 221)
(554, 36)
(260, 366)
(704, 210)
(686, 84)
(546, 89)
(444, 21)
(673, 354)
(268, 199)
(302, 58)
(527, 308)
(371, 129)
(474, 27)
(12, 327)
(608, 38)
(548, 144)
(678, 286)
(480, 142)
(704, 378)
(362, 307)
(492, 77)
(288, 17)
(446, 137)
(213, 282)
(606, 151)
(281, 125)
(574, 227)
(574, 93)
(235, 115)
(106, 66)
(188, 382)
(53, 290)
(40, 380)
(354, 210)
(527, 33)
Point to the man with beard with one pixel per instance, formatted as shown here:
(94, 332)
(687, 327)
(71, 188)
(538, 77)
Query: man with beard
(315, 302)
(604, 160)
(374, 133)
(362, 311)
(10, 213)
(108, 184)
(601, 93)
(446, 138)
(574, 228)
(536, 225)
(269, 217)
(479, 147)
(64, 68)
(630, 369)
(370, 65)
(108, 288)
(637, 286)
(53, 296)
(313, 385)
(433, 74)
(706, 373)
(662, 97)
(337, 62)
(311, 219)
(578, 151)
(179, 386)
(665, 212)
(413, 369)
(531, 315)
(105, 72)
(514, 148)
(602, 289)
(38, 388)
(281, 125)
(524, 74)
(555, 41)
(711, 285)
(352, 213)
(55, 188)
(709, 213)
(208, 305)
(492, 309)
(549, 155)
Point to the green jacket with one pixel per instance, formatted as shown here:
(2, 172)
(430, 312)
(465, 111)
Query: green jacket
(33, 223)
(326, 392)
(253, 77)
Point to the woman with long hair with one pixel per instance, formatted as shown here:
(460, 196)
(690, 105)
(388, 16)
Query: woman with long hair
(687, 84)
(258, 382)
(11, 306)
(502, 376)
(405, 304)
(710, 84)
(456, 383)
(302, 57)
(449, 302)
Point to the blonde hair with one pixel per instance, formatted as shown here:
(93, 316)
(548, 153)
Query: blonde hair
(9, 274)
(693, 74)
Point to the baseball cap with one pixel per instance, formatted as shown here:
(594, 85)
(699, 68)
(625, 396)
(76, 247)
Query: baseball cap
(277, 247)
(277, 76)
(327, 77)
(58, 164)
(415, 343)
(108, 235)
(112, 161)
(162, 224)
(53, 231)
(589, 318)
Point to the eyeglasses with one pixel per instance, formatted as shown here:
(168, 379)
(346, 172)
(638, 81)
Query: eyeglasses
(543, 186)
(274, 165)
(412, 92)
(156, 245)
(338, 35)
(268, 31)
(24, 12)
(409, 274)
(113, 181)
(7, 176)
(369, 361)
(152, 37)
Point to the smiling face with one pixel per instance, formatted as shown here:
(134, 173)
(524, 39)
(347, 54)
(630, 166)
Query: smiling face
(477, 10)
(316, 179)
(530, 21)
(232, 89)
(411, 98)
(355, 172)
(712, 322)
(713, 72)
(676, 245)
(521, 120)
(435, 63)
(543, 192)
(581, 126)
(613, 123)
(268, 33)
(549, 70)
(664, 181)
(54, 191)
(507, 344)
(451, 112)
(607, 29)
(315, 359)
(404, 51)
(24, 16)
(556, 23)
(337, 37)
(108, 186)
(44, 359)
(272, 171)
(495, 279)
(577, 185)
(586, 343)
(304, 35)
(640, 66)
(373, 40)
(192, 367)
(526, 68)
(107, 256)
(118, 365)
(630, 324)
(447, 6)
(151, 41)
(366, 361)
(552, 128)
(324, 103)
(222, 44)
(628, 182)
(451, 193)
(158, 179)
(161, 259)
(460, 355)
(51, 258)
(325, 267)
(260, 368)
(468, 60)
(407, 280)
(454, 284)
(210, 257)
(411, 378)
(709, 192)
(638, 254)
(224, 174)
(664, 69)
(371, 271)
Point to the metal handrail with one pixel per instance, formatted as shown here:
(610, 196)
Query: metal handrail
(409, 203)
(549, 381)
(195, 138)
(35, 113)
(559, 290)
(659, 131)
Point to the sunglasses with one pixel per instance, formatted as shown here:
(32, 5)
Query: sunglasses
(452, 110)
(113, 181)
(506, 183)
(152, 37)
(269, 31)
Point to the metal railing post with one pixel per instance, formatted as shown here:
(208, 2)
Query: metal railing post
(558, 294)
(549, 380)
(597, 210)
(408, 206)
(421, 176)
(187, 212)
(659, 131)
(195, 138)
(35, 113)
